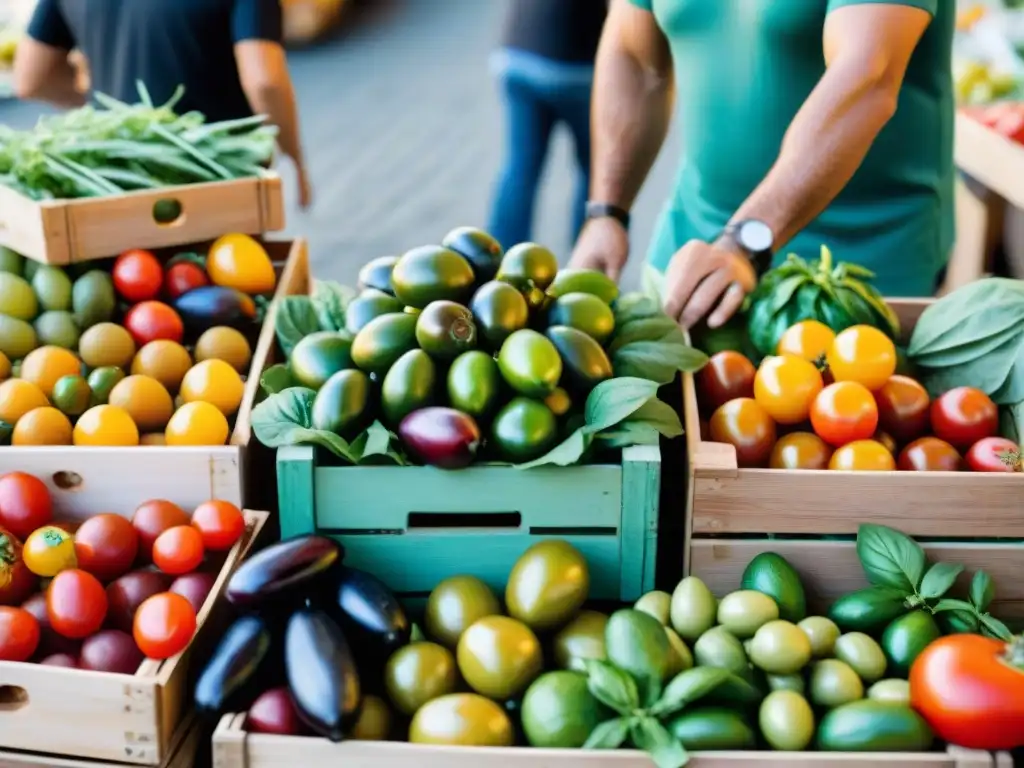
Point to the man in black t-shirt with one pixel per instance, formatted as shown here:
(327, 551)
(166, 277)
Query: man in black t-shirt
(545, 67)
(226, 53)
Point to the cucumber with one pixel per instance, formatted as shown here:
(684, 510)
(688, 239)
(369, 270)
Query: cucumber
(868, 610)
(905, 638)
(874, 726)
(706, 728)
(772, 575)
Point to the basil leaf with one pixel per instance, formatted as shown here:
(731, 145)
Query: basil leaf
(286, 419)
(784, 291)
(993, 627)
(276, 378)
(956, 622)
(611, 686)
(662, 328)
(652, 283)
(952, 605)
(374, 446)
(687, 687)
(890, 558)
(615, 400)
(983, 591)
(658, 361)
(634, 306)
(330, 300)
(608, 735)
(628, 433)
(939, 579)
(296, 318)
(659, 415)
(653, 738)
(567, 452)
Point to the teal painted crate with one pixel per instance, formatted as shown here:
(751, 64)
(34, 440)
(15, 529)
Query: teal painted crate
(414, 526)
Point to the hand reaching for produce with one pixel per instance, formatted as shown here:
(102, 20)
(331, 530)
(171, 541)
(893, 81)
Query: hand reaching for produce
(707, 280)
(603, 245)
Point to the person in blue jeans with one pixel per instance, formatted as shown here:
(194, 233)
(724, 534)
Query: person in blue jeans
(545, 68)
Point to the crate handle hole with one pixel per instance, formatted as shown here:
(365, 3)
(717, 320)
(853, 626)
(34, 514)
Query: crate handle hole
(67, 481)
(168, 213)
(12, 698)
(465, 520)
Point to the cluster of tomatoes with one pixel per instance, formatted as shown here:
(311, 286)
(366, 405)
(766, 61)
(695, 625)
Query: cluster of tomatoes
(828, 401)
(114, 591)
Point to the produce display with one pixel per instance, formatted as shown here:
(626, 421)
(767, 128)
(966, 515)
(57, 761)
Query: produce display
(461, 352)
(834, 393)
(1005, 118)
(326, 650)
(106, 593)
(135, 350)
(90, 152)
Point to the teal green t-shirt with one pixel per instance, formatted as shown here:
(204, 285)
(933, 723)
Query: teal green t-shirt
(743, 70)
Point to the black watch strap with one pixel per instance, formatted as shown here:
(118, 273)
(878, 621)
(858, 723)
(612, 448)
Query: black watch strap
(596, 210)
(755, 239)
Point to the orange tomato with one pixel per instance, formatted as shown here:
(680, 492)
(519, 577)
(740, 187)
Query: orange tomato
(808, 339)
(800, 450)
(863, 456)
(844, 412)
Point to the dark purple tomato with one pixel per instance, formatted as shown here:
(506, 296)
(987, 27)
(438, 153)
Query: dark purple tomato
(126, 594)
(60, 660)
(50, 642)
(111, 650)
(274, 712)
(194, 587)
(441, 437)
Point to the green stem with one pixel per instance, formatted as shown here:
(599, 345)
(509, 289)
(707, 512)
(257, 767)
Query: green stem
(1014, 655)
(826, 259)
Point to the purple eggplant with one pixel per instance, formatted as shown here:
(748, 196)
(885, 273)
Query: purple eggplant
(282, 568)
(322, 675)
(441, 437)
(370, 615)
(211, 305)
(230, 674)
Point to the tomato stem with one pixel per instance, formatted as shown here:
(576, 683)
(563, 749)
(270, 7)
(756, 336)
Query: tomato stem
(7, 554)
(1014, 655)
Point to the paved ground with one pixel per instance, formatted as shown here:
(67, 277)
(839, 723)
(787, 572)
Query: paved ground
(403, 129)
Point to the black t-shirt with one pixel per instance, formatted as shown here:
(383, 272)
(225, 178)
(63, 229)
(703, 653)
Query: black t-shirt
(562, 30)
(163, 43)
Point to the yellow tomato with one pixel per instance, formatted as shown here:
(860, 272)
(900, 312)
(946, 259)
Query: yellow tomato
(49, 550)
(238, 261)
(863, 354)
(214, 382)
(106, 425)
(197, 423)
(785, 386)
(42, 426)
(808, 339)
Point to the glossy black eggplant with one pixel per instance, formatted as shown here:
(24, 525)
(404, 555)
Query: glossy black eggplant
(322, 674)
(369, 613)
(211, 305)
(228, 675)
(282, 568)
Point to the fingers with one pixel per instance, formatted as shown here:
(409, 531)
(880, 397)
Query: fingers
(704, 297)
(729, 305)
(685, 272)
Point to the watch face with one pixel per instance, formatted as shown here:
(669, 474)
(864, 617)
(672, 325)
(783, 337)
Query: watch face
(755, 236)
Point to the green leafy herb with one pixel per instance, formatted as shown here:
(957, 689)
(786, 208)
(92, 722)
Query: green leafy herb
(890, 558)
(652, 283)
(658, 328)
(658, 361)
(296, 318)
(330, 300)
(993, 627)
(658, 415)
(687, 687)
(612, 687)
(376, 445)
(608, 735)
(983, 591)
(276, 378)
(629, 433)
(286, 419)
(653, 738)
(617, 399)
(634, 306)
(939, 579)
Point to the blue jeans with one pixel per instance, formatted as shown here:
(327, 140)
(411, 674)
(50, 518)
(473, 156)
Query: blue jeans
(538, 95)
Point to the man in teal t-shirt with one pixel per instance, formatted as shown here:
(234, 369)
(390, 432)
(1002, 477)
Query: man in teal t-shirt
(803, 121)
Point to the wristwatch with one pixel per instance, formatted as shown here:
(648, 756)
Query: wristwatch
(597, 210)
(755, 239)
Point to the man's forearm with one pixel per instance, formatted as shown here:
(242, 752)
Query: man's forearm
(277, 102)
(631, 113)
(58, 87)
(824, 146)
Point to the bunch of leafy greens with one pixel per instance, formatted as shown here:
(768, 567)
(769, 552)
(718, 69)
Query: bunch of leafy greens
(647, 350)
(91, 152)
(974, 337)
(897, 568)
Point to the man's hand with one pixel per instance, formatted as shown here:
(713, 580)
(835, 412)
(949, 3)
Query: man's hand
(603, 244)
(304, 187)
(702, 278)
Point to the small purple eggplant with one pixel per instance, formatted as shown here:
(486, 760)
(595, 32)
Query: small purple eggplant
(281, 568)
(441, 437)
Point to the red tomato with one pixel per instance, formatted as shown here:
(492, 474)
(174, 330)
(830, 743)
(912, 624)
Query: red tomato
(726, 376)
(106, 546)
(164, 625)
(19, 634)
(800, 450)
(929, 454)
(178, 550)
(25, 503)
(153, 518)
(17, 582)
(137, 275)
(863, 354)
(126, 594)
(152, 320)
(50, 642)
(183, 277)
(221, 524)
(903, 408)
(746, 426)
(963, 416)
(785, 386)
(994, 454)
(863, 456)
(76, 604)
(969, 694)
(808, 339)
(844, 412)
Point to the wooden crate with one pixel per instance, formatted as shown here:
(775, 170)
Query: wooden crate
(69, 231)
(727, 500)
(131, 719)
(419, 525)
(234, 748)
(81, 478)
